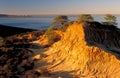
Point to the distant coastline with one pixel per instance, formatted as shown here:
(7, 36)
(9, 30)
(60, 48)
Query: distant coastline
(11, 16)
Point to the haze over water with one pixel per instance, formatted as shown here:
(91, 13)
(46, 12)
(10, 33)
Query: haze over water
(43, 22)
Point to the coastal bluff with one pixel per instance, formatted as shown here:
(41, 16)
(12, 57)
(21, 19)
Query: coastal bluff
(85, 50)
(103, 36)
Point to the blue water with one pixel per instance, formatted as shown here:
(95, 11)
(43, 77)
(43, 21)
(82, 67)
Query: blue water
(43, 22)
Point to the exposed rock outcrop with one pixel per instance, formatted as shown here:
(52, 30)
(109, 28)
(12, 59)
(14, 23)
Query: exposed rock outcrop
(73, 55)
(106, 38)
(16, 59)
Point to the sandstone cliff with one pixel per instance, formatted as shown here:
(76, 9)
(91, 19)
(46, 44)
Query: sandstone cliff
(82, 54)
(105, 38)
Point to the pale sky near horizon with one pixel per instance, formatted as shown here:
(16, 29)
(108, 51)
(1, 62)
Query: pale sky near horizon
(37, 7)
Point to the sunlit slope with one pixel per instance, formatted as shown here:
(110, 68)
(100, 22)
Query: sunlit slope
(73, 55)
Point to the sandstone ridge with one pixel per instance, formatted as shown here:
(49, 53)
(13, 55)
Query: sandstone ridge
(75, 54)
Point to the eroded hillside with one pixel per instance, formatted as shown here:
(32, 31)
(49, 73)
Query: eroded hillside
(72, 57)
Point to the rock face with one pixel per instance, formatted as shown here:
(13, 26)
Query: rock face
(73, 55)
(107, 39)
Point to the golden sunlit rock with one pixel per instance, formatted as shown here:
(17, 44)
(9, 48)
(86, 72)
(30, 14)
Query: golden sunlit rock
(36, 57)
(71, 54)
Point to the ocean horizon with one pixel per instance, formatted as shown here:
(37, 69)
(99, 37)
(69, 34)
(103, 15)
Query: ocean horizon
(44, 21)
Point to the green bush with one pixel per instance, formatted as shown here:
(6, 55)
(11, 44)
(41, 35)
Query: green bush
(50, 34)
(85, 17)
(60, 20)
(1, 40)
(110, 19)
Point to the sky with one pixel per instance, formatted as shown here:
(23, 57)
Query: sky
(45, 7)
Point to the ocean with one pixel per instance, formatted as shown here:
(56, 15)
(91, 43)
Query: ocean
(43, 22)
